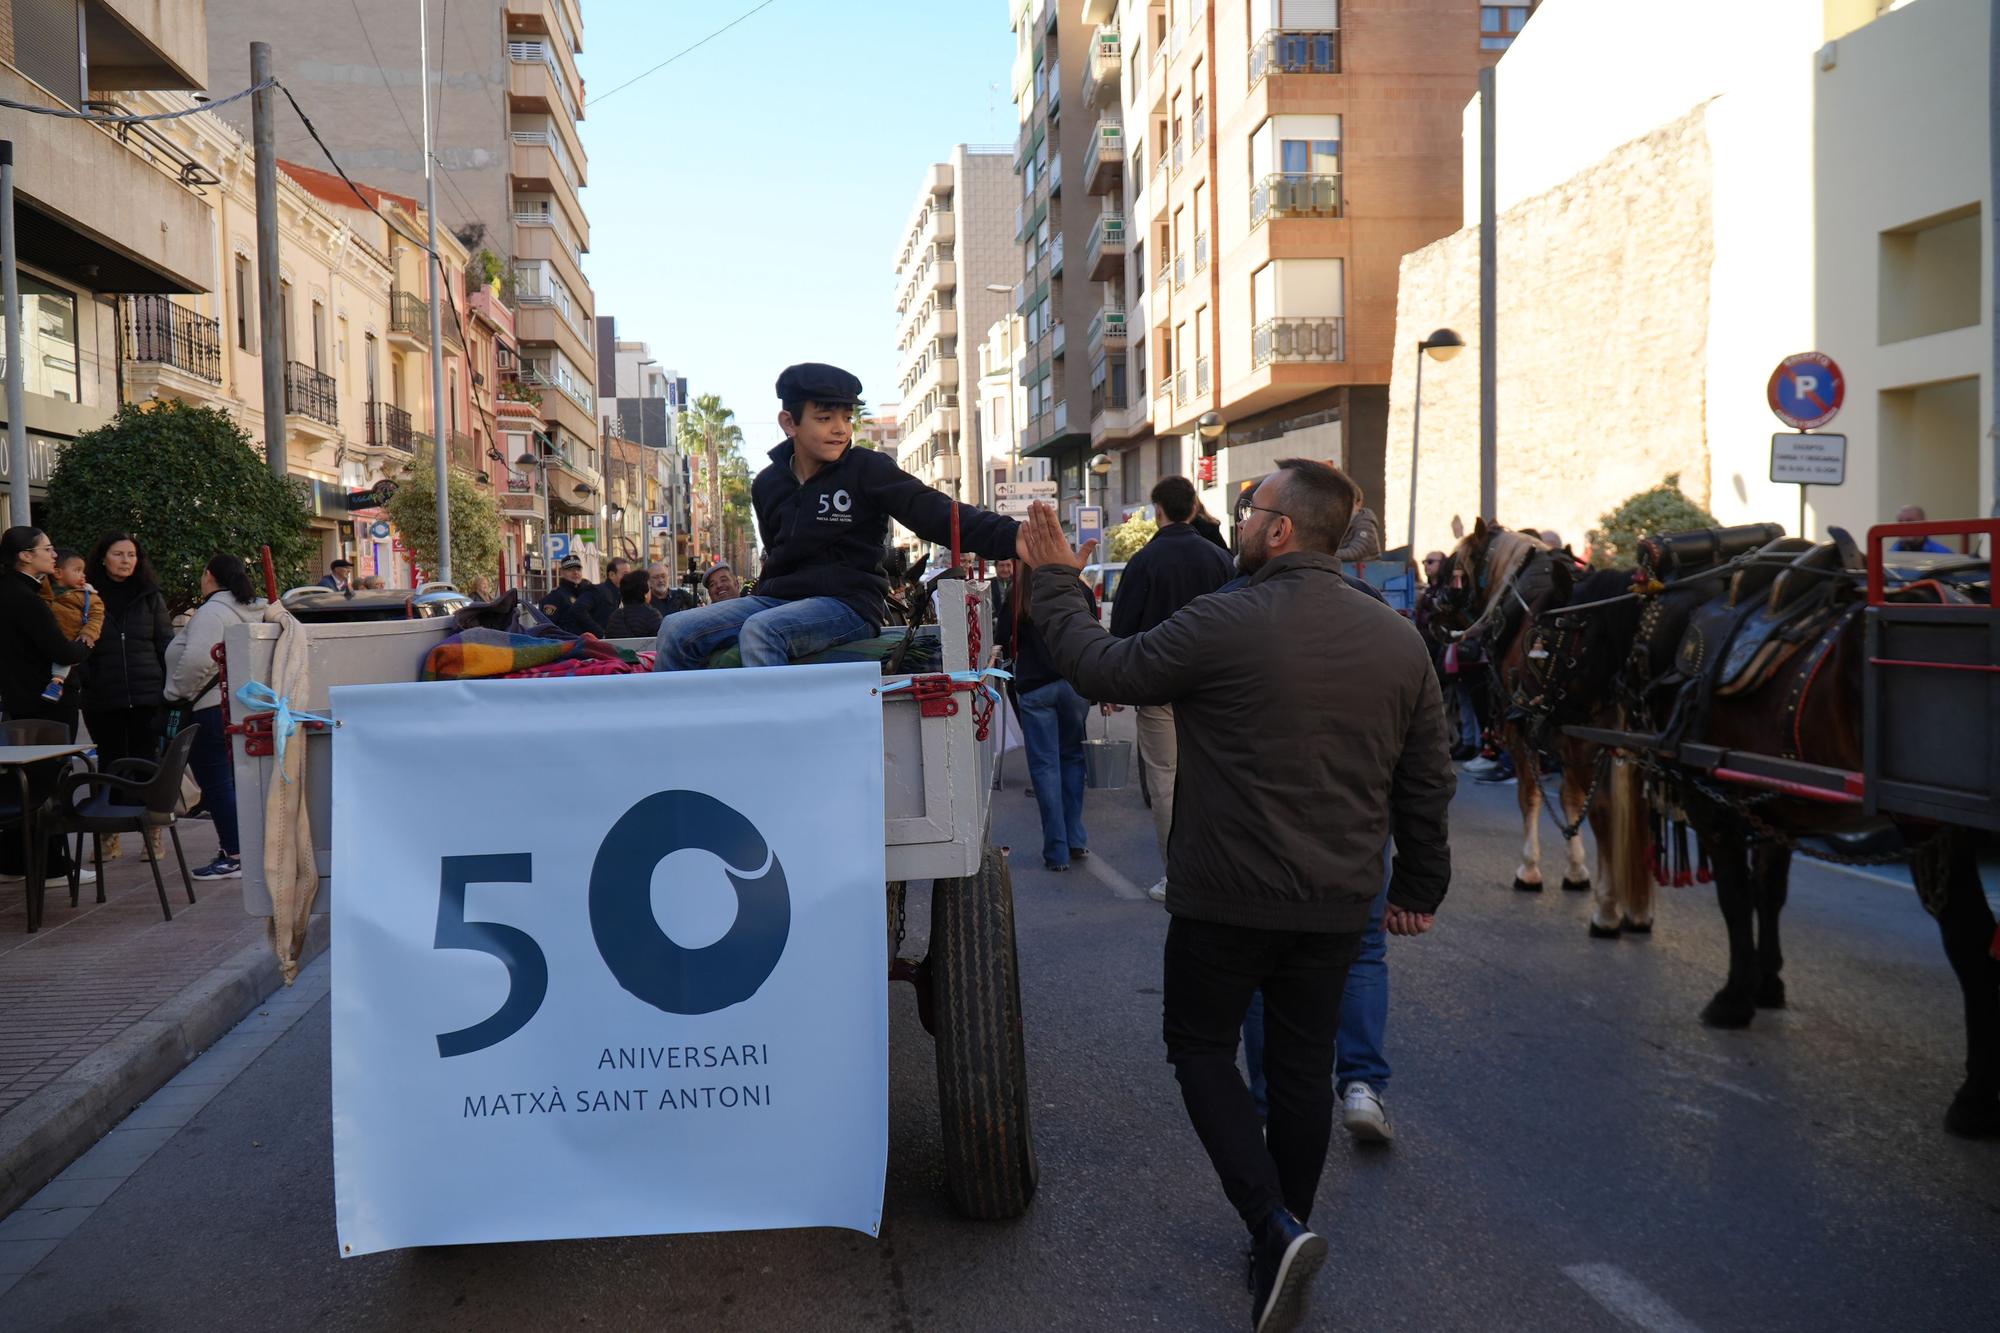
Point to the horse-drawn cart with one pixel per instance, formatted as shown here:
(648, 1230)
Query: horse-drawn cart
(938, 761)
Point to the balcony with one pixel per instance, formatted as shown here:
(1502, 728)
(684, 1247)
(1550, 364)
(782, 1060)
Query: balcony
(540, 164)
(1179, 159)
(1101, 75)
(1290, 339)
(1056, 256)
(1165, 278)
(1181, 388)
(1201, 369)
(171, 337)
(1180, 272)
(409, 319)
(1055, 175)
(570, 233)
(537, 81)
(311, 394)
(1201, 252)
(1058, 339)
(1283, 52)
(1107, 329)
(389, 428)
(464, 453)
(1200, 129)
(1107, 247)
(1295, 195)
(1104, 164)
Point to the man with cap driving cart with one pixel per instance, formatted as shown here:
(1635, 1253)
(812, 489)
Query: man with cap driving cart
(823, 510)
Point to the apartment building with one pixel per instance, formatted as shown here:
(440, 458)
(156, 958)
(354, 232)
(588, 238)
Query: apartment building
(881, 428)
(1277, 159)
(1881, 257)
(954, 268)
(507, 119)
(645, 400)
(99, 217)
(1000, 401)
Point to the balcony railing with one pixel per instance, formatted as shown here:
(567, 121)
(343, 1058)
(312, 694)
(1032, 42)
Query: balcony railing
(1294, 338)
(1200, 128)
(1107, 237)
(389, 428)
(1292, 194)
(1056, 255)
(311, 393)
(1100, 76)
(1280, 52)
(1201, 252)
(1106, 397)
(1107, 328)
(465, 452)
(1165, 278)
(1058, 339)
(1181, 387)
(1179, 155)
(409, 315)
(1201, 375)
(1180, 272)
(161, 333)
(1106, 155)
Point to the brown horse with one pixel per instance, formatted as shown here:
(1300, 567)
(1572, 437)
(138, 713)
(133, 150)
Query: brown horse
(1502, 584)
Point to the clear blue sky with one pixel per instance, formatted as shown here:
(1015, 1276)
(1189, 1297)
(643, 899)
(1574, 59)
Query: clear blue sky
(746, 202)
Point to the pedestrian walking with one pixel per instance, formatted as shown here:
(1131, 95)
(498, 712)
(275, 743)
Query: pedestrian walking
(1300, 787)
(1052, 730)
(194, 683)
(1164, 575)
(125, 677)
(31, 641)
(823, 510)
(636, 617)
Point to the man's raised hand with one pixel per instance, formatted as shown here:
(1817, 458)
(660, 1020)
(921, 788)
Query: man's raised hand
(1041, 541)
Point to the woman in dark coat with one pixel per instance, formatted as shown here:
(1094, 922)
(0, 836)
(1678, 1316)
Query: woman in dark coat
(125, 678)
(30, 644)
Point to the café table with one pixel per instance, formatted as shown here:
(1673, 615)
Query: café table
(17, 759)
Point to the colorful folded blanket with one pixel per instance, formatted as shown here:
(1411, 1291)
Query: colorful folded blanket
(481, 654)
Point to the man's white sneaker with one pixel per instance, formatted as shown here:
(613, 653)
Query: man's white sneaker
(84, 875)
(1365, 1116)
(1158, 893)
(1477, 765)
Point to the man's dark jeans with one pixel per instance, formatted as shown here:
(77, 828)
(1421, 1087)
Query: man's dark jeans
(1211, 972)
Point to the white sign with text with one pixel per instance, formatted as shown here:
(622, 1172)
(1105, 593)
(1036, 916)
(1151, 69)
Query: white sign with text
(1809, 459)
(647, 996)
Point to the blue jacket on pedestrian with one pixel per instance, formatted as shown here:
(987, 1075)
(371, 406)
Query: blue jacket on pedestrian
(826, 537)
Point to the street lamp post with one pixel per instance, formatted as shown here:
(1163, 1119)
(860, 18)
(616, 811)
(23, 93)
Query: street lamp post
(1442, 345)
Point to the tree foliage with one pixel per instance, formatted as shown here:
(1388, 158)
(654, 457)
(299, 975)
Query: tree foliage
(1129, 536)
(188, 484)
(708, 431)
(475, 519)
(1664, 508)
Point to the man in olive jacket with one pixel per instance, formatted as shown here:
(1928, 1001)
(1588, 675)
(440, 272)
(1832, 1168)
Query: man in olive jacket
(1310, 732)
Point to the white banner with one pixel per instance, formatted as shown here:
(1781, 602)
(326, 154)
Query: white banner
(610, 957)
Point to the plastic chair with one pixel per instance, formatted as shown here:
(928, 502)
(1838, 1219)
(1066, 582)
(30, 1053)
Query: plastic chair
(17, 811)
(155, 793)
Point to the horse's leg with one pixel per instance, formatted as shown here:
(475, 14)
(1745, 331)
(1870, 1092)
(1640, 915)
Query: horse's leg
(1579, 764)
(1622, 899)
(1735, 1004)
(1770, 877)
(1966, 922)
(1528, 790)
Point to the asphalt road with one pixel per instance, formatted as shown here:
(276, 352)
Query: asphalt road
(1574, 1152)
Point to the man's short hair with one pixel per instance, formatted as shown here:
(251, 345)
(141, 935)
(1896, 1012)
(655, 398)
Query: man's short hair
(1175, 497)
(341, 564)
(632, 586)
(612, 569)
(1320, 500)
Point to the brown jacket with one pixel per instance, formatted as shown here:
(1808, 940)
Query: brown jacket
(1310, 731)
(67, 603)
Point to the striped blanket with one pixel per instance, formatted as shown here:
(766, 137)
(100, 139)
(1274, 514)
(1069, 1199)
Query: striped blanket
(481, 654)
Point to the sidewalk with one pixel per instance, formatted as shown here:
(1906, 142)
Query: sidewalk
(108, 1001)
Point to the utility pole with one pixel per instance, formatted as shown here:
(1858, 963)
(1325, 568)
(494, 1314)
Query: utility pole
(10, 293)
(1489, 258)
(436, 269)
(270, 298)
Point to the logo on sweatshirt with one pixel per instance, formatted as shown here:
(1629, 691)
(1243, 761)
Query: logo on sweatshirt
(836, 507)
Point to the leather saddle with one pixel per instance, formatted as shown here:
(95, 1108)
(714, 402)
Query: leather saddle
(1773, 609)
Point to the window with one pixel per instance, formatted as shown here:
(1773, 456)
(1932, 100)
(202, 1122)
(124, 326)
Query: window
(1128, 477)
(368, 364)
(319, 335)
(340, 345)
(1498, 25)
(48, 340)
(285, 317)
(246, 324)
(1167, 457)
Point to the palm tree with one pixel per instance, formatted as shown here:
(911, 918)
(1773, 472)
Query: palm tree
(710, 429)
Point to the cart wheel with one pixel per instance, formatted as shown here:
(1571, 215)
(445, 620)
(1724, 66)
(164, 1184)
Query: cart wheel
(989, 1146)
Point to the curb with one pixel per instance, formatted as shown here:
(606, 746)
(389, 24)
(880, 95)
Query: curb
(55, 1126)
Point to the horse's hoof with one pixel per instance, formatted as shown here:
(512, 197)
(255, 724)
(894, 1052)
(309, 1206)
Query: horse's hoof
(1523, 886)
(1598, 932)
(1973, 1115)
(1771, 993)
(1576, 886)
(1638, 927)
(1728, 1011)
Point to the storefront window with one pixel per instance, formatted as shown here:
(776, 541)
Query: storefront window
(48, 340)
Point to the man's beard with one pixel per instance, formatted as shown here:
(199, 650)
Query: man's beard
(1252, 557)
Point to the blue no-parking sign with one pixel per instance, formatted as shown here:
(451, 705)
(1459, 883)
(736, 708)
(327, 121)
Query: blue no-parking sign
(1806, 390)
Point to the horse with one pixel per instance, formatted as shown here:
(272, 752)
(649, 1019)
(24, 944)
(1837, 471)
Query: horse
(1501, 586)
(1764, 654)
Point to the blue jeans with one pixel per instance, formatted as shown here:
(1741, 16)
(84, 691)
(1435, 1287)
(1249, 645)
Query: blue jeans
(209, 761)
(1468, 716)
(1052, 729)
(769, 632)
(1364, 1013)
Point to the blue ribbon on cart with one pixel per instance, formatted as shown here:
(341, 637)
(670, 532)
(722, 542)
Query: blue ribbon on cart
(982, 679)
(259, 697)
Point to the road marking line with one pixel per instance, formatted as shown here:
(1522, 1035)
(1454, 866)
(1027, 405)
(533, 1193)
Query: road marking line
(1628, 1298)
(1116, 882)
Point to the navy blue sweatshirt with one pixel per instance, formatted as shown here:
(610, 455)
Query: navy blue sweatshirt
(826, 538)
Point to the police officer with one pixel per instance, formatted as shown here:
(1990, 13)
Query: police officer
(569, 602)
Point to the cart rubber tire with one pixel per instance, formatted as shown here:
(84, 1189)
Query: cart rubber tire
(989, 1144)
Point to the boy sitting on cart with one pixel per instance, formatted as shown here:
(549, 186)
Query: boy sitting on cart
(823, 510)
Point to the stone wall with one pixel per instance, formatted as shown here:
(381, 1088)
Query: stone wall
(1603, 329)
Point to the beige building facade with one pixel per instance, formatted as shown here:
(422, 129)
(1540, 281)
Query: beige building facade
(1636, 340)
(954, 249)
